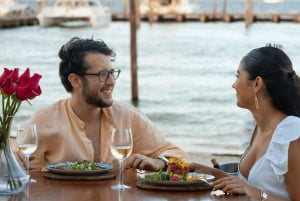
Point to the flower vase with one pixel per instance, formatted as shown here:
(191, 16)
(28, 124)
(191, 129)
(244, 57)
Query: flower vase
(13, 178)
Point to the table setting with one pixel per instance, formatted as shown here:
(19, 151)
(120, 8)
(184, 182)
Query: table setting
(176, 177)
(79, 171)
(193, 182)
(88, 180)
(121, 148)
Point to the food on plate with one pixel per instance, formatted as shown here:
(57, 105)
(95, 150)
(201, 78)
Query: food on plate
(195, 176)
(84, 165)
(177, 170)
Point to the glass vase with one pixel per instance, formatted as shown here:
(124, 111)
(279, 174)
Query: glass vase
(13, 178)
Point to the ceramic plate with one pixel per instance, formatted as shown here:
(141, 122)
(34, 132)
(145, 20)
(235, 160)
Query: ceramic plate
(205, 180)
(62, 168)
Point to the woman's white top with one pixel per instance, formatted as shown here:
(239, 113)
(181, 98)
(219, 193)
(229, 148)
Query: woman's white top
(268, 172)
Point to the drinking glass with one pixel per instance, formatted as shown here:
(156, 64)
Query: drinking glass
(121, 148)
(27, 141)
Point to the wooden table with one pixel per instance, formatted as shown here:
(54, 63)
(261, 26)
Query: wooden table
(62, 190)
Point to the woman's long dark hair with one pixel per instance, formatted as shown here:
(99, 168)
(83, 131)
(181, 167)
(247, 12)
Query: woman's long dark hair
(276, 70)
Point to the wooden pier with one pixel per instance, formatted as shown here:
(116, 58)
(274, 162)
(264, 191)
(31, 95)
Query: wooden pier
(11, 21)
(248, 16)
(212, 17)
(8, 22)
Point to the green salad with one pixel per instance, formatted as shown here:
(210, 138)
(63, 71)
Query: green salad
(80, 166)
(160, 175)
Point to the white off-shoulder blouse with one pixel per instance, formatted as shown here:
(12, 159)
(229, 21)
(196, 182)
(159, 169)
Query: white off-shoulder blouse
(268, 172)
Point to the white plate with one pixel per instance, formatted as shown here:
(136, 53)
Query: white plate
(59, 168)
(207, 180)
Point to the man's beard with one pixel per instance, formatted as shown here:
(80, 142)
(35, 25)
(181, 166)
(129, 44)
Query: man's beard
(92, 99)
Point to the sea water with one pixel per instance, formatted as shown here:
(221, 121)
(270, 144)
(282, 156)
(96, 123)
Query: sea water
(185, 72)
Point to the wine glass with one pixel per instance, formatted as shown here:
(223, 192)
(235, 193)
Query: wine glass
(27, 141)
(121, 148)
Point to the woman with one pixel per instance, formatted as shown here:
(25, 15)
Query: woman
(269, 88)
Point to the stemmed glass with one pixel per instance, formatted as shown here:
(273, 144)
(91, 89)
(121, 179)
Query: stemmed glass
(121, 148)
(27, 141)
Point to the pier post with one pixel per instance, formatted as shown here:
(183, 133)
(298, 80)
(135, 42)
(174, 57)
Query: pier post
(214, 14)
(248, 13)
(226, 17)
(133, 50)
(124, 8)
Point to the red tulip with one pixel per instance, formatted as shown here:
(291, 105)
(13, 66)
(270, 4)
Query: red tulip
(13, 90)
(28, 87)
(8, 80)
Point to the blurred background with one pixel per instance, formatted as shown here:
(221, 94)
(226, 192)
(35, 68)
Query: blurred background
(185, 69)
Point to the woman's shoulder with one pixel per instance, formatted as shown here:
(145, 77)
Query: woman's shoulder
(287, 131)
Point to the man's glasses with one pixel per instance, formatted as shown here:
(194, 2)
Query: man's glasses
(104, 74)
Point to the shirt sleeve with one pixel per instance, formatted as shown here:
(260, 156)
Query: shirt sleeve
(151, 140)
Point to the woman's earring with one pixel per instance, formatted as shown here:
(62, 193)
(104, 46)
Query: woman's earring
(256, 102)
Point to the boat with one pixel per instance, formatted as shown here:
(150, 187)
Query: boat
(165, 7)
(75, 13)
(273, 1)
(13, 9)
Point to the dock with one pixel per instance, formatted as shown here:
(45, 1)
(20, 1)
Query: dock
(248, 15)
(9, 22)
(213, 17)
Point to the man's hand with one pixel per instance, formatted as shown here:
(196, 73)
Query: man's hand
(138, 161)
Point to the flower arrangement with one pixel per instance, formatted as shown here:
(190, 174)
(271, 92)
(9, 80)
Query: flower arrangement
(14, 89)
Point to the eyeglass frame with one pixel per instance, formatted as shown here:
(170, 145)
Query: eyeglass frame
(109, 72)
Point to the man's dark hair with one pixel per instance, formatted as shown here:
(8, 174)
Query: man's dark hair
(72, 55)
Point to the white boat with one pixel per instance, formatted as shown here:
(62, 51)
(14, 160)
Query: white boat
(273, 1)
(75, 13)
(11, 8)
(165, 7)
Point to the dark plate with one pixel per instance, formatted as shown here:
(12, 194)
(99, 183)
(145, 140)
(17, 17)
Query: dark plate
(205, 181)
(60, 168)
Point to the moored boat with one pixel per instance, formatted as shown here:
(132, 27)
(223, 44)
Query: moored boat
(13, 9)
(75, 13)
(165, 7)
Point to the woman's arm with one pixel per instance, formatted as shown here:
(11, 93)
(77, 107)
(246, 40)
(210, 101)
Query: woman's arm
(292, 177)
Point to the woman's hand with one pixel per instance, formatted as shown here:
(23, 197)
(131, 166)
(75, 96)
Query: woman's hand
(231, 185)
(138, 161)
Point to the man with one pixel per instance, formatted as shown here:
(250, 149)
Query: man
(79, 128)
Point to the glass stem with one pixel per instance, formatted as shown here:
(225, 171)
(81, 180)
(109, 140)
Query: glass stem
(27, 163)
(120, 172)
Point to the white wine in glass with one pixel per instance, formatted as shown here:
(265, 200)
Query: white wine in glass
(27, 141)
(121, 148)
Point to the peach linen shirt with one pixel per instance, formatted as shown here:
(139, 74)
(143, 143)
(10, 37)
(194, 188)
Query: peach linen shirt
(62, 135)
